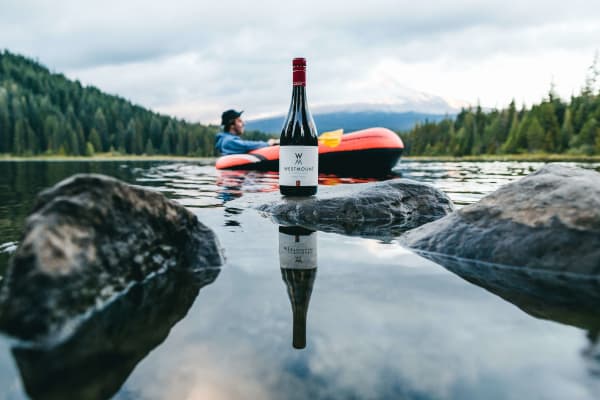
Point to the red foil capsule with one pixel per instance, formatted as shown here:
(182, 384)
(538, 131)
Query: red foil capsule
(299, 71)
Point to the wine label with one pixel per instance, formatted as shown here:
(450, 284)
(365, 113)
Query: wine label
(298, 166)
(298, 251)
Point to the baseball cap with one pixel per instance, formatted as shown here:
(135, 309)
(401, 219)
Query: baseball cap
(229, 116)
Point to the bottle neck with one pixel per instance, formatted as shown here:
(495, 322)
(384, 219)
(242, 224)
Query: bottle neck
(299, 330)
(299, 95)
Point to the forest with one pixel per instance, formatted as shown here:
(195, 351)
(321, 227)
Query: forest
(552, 127)
(45, 113)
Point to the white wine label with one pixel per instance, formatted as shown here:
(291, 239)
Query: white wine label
(298, 251)
(298, 166)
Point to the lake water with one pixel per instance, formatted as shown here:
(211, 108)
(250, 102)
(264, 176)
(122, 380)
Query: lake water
(382, 322)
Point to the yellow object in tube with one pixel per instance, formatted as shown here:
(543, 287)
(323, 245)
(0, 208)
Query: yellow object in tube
(331, 138)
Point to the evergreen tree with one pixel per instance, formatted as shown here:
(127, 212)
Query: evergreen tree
(101, 127)
(58, 114)
(134, 141)
(20, 138)
(168, 135)
(468, 137)
(72, 144)
(89, 149)
(33, 144)
(510, 146)
(155, 132)
(588, 133)
(208, 145)
(491, 135)
(566, 132)
(181, 146)
(592, 77)
(95, 140)
(550, 126)
(5, 125)
(45, 112)
(549, 123)
(521, 144)
(149, 150)
(80, 138)
(535, 135)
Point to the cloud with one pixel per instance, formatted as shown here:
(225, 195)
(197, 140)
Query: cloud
(194, 59)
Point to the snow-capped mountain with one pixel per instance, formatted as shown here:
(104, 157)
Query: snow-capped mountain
(389, 105)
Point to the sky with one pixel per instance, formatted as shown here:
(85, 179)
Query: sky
(194, 59)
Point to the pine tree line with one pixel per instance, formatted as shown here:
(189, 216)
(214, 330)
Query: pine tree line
(45, 113)
(553, 126)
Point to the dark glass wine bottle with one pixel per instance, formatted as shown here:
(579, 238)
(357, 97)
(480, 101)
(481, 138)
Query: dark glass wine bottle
(299, 151)
(298, 262)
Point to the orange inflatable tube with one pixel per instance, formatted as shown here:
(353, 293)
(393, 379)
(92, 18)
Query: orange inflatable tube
(369, 151)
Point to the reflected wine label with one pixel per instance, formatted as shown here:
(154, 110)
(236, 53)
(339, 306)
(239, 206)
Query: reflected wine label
(298, 251)
(298, 165)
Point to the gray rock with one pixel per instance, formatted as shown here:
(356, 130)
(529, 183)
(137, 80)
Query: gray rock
(88, 239)
(378, 209)
(547, 220)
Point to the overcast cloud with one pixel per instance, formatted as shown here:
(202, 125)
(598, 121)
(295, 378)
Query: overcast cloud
(193, 58)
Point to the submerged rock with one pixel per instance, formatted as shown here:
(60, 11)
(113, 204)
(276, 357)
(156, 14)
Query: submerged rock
(98, 357)
(565, 297)
(547, 220)
(379, 209)
(89, 238)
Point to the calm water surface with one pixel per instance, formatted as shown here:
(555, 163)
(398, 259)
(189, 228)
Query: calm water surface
(382, 322)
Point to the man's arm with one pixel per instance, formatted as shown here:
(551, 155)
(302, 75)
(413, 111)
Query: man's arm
(238, 146)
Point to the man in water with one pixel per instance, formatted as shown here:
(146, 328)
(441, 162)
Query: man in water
(230, 142)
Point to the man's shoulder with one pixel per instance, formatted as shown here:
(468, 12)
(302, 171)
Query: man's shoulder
(227, 135)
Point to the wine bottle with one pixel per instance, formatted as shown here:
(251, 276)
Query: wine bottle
(298, 262)
(298, 151)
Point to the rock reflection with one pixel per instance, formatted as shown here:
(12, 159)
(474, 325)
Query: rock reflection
(298, 262)
(568, 298)
(95, 361)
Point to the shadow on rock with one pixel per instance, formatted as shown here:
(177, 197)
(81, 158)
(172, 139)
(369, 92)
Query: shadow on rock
(379, 210)
(95, 360)
(564, 297)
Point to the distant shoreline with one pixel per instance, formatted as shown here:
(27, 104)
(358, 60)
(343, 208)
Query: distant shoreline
(509, 157)
(108, 157)
(211, 160)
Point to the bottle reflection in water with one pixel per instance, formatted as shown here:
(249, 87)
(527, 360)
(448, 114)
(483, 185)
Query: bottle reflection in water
(298, 261)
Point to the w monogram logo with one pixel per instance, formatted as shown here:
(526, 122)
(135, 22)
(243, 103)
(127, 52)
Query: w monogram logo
(298, 158)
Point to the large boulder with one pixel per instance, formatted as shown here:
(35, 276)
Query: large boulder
(376, 209)
(547, 220)
(88, 239)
